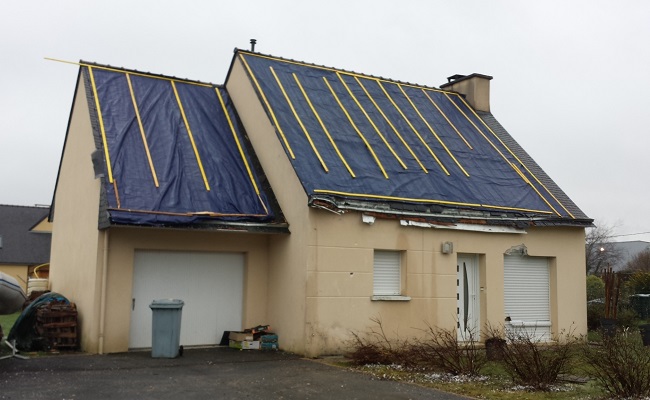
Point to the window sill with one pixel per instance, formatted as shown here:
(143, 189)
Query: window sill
(390, 298)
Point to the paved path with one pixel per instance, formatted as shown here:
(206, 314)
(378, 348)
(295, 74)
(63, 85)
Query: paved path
(214, 373)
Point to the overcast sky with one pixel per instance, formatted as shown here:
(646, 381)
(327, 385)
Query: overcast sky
(571, 78)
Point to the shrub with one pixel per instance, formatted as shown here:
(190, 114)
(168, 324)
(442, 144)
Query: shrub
(531, 362)
(621, 365)
(442, 350)
(595, 288)
(627, 317)
(639, 282)
(595, 311)
(374, 347)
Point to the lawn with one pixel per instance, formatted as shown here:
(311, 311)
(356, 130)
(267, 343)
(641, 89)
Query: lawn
(7, 321)
(492, 384)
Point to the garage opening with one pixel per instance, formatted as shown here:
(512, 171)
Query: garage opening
(210, 284)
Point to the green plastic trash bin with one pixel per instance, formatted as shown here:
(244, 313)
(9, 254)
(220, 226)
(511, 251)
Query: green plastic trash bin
(166, 327)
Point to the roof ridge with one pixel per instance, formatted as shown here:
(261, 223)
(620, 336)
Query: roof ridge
(305, 63)
(170, 77)
(37, 206)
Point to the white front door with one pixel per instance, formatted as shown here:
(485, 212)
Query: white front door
(210, 284)
(468, 298)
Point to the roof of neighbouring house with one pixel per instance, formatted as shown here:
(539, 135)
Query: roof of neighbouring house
(626, 251)
(364, 142)
(172, 152)
(20, 243)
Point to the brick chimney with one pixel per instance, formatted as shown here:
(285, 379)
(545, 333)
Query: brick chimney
(475, 88)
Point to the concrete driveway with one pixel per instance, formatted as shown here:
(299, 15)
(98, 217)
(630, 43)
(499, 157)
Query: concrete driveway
(213, 373)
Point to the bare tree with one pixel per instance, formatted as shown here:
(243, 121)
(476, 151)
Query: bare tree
(640, 262)
(599, 251)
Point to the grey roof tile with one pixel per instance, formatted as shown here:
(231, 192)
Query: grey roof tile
(19, 244)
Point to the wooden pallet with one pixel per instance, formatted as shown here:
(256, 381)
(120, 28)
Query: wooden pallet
(56, 323)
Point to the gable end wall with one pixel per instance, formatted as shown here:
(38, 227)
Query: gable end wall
(76, 243)
(288, 254)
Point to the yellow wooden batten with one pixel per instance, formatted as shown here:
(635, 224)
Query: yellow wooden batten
(268, 106)
(525, 167)
(363, 110)
(239, 147)
(453, 203)
(388, 121)
(417, 111)
(408, 122)
(144, 137)
(521, 175)
(302, 126)
(101, 125)
(372, 152)
(320, 121)
(348, 73)
(447, 119)
(122, 71)
(189, 134)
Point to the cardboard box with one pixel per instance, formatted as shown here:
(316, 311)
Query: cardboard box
(240, 336)
(245, 344)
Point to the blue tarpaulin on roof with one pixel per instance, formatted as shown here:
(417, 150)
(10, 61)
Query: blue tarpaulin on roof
(368, 138)
(174, 152)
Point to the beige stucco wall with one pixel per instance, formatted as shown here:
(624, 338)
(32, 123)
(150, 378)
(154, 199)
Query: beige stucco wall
(288, 255)
(76, 245)
(122, 244)
(320, 277)
(43, 226)
(340, 277)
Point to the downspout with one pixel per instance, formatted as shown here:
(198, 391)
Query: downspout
(102, 299)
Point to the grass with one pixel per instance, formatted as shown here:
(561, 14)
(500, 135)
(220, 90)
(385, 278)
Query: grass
(7, 322)
(493, 382)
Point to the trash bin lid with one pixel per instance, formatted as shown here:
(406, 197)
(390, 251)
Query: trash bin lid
(167, 303)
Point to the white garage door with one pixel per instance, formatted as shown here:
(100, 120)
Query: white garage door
(210, 284)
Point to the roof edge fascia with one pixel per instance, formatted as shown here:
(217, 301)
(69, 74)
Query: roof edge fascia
(535, 220)
(220, 226)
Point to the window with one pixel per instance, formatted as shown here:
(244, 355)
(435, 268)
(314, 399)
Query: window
(527, 295)
(387, 276)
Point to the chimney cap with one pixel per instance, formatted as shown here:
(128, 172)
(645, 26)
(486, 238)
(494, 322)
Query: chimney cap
(459, 77)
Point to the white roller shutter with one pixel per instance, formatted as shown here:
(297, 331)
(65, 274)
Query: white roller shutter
(527, 295)
(387, 273)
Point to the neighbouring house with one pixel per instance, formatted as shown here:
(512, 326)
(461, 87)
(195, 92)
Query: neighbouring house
(625, 252)
(25, 238)
(308, 198)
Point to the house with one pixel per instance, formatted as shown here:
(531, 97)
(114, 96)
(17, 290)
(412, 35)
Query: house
(25, 238)
(625, 251)
(309, 198)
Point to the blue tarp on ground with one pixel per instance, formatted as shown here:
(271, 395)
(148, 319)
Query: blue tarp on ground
(182, 135)
(367, 138)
